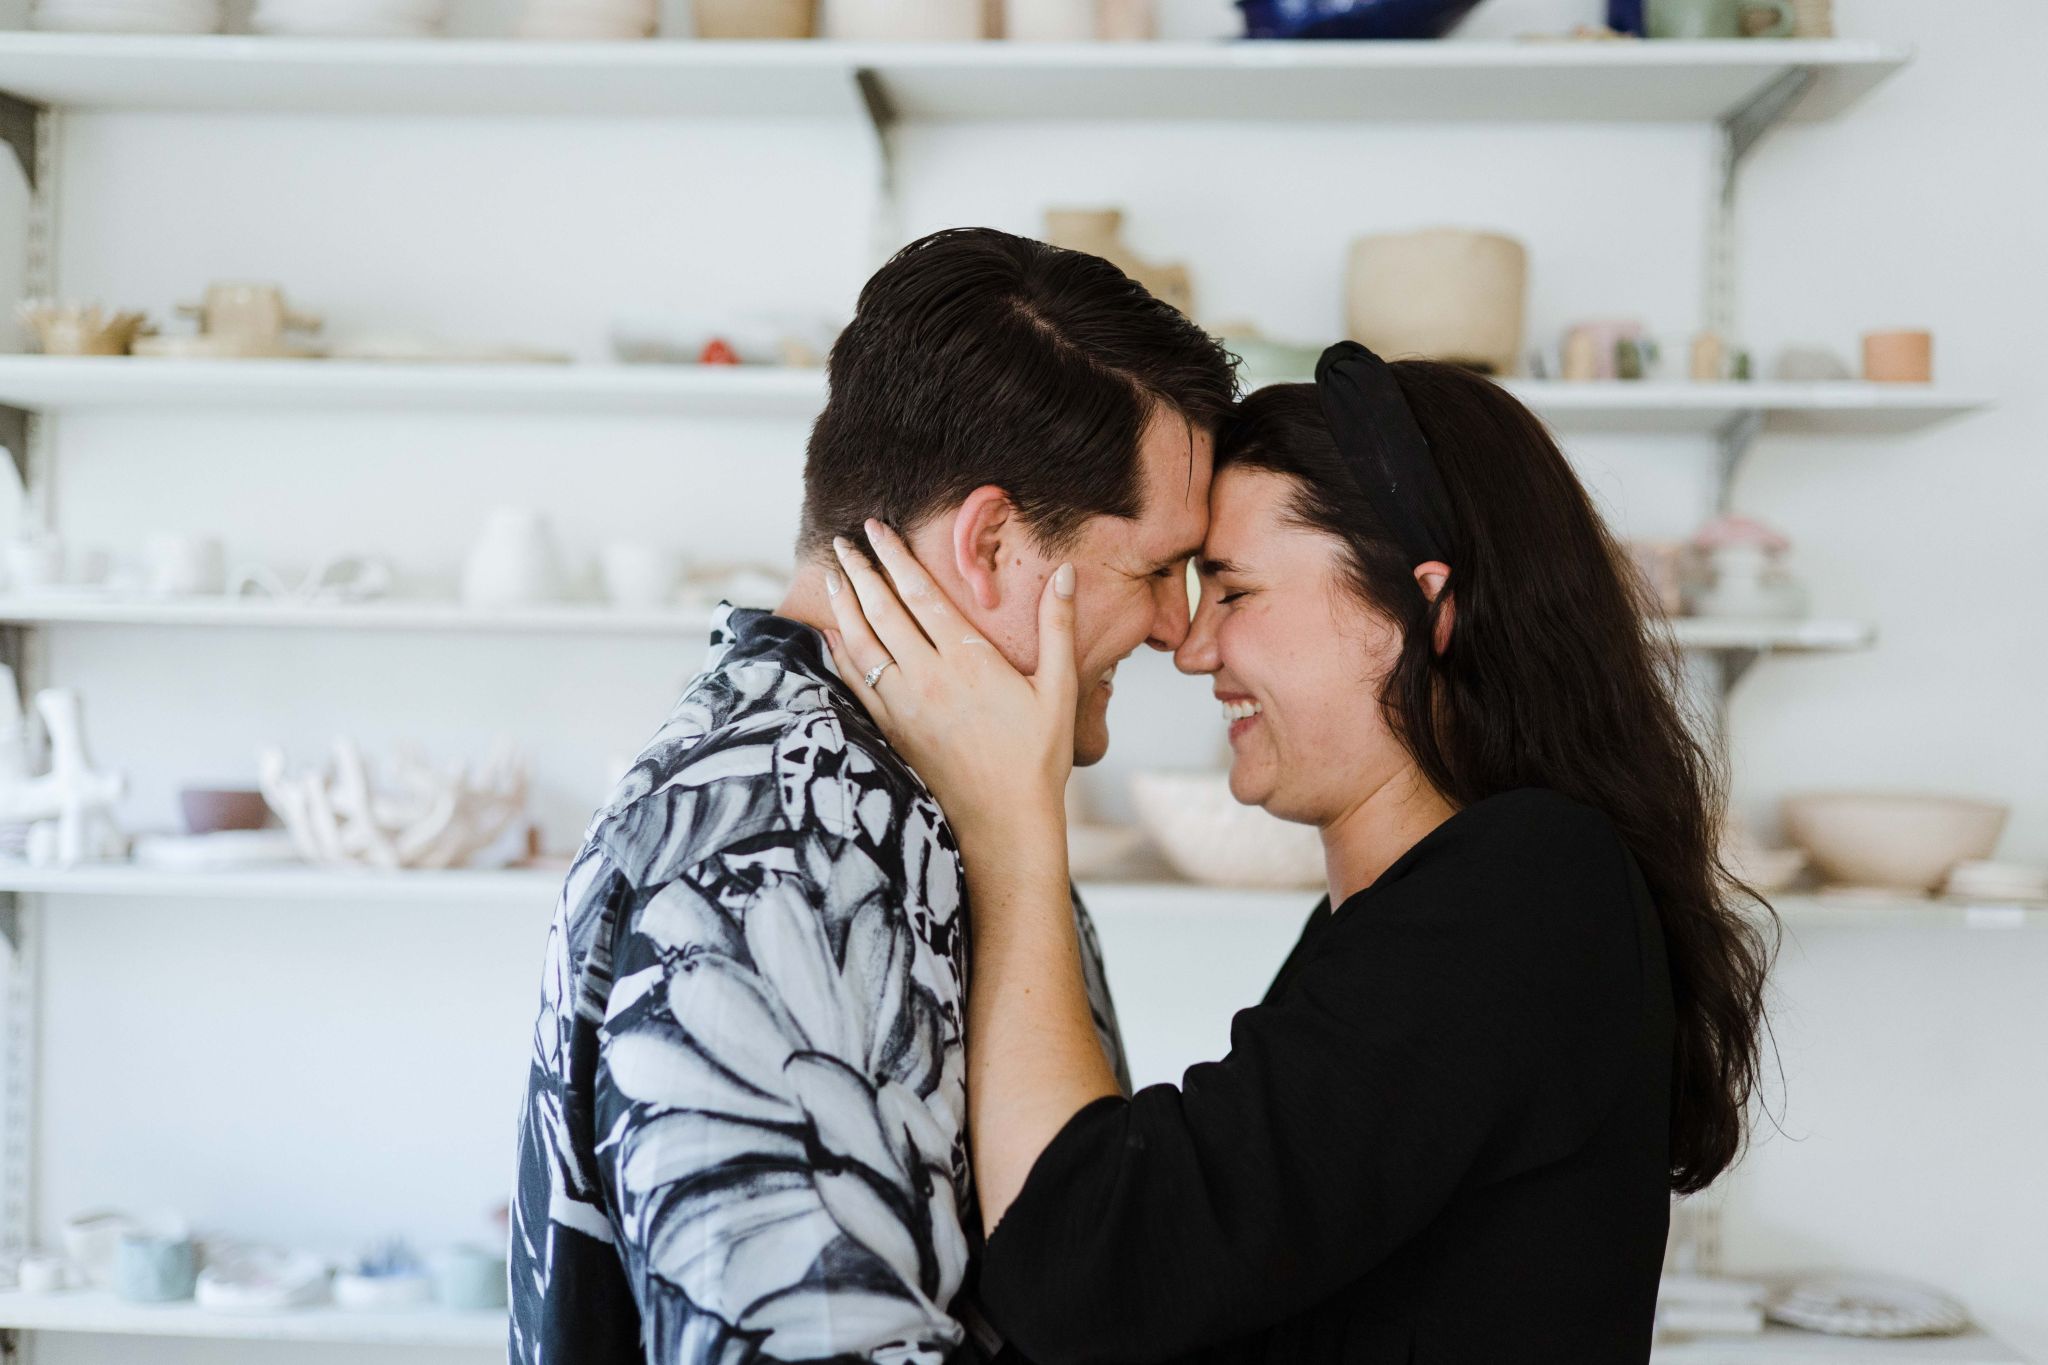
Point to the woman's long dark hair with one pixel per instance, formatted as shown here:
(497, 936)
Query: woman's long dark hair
(1555, 677)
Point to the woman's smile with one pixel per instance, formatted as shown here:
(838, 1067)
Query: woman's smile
(1241, 711)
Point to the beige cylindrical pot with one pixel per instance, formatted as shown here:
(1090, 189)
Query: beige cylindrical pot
(1448, 294)
(1099, 232)
(919, 21)
(755, 18)
(1049, 21)
(1901, 357)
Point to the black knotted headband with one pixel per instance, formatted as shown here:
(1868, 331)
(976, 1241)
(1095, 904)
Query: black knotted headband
(1377, 436)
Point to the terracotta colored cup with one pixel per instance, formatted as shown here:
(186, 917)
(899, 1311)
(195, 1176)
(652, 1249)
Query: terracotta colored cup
(1902, 357)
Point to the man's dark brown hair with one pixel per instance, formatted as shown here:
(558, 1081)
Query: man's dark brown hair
(977, 357)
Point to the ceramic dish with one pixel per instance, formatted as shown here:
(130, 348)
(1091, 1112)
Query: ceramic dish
(1895, 841)
(1867, 1306)
(1208, 837)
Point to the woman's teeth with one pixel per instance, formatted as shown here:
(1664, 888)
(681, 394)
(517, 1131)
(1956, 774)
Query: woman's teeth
(1240, 710)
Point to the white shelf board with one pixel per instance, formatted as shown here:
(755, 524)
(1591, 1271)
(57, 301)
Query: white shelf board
(1459, 81)
(67, 383)
(1811, 636)
(538, 887)
(57, 384)
(530, 886)
(1842, 407)
(72, 608)
(81, 608)
(1790, 1346)
(92, 1311)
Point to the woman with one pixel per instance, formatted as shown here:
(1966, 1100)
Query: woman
(1450, 1130)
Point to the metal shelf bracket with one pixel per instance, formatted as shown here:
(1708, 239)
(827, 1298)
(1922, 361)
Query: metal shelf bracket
(883, 117)
(18, 130)
(1731, 444)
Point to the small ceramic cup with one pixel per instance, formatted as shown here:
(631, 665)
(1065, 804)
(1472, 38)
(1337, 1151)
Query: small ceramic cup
(42, 1273)
(180, 565)
(34, 563)
(156, 1267)
(467, 1278)
(1899, 357)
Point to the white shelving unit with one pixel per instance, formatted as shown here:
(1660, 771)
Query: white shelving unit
(1743, 88)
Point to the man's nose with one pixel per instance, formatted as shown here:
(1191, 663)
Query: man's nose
(1169, 616)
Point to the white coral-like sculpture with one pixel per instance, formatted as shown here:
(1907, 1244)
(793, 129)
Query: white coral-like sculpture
(426, 817)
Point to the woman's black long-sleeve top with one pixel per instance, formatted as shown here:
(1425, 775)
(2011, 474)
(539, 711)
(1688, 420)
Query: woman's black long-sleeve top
(1442, 1137)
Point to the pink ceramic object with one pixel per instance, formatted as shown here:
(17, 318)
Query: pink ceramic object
(1894, 841)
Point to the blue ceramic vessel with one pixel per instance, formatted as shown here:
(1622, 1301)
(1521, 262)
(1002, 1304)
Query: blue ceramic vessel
(1352, 18)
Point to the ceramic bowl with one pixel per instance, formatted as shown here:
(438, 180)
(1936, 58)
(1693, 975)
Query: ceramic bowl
(1208, 837)
(1352, 18)
(1891, 840)
(209, 811)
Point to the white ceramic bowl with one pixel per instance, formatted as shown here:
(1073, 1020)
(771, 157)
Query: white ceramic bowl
(1208, 837)
(1892, 840)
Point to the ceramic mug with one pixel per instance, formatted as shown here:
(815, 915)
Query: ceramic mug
(637, 575)
(1712, 18)
(180, 566)
(251, 312)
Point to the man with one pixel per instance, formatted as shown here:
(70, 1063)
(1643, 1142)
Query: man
(743, 1138)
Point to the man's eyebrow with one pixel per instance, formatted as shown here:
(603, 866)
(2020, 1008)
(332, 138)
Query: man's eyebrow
(1211, 568)
(1177, 557)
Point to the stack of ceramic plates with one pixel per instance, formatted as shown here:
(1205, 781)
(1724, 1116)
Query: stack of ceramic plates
(1867, 1306)
(126, 16)
(350, 18)
(587, 19)
(1985, 881)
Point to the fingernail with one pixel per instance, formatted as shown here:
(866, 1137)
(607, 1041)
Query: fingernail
(877, 526)
(832, 582)
(1063, 580)
(841, 545)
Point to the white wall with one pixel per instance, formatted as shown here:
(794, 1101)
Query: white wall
(323, 1075)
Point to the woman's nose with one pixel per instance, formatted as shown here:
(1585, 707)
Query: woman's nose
(1197, 653)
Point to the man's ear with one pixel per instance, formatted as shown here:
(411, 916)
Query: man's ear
(982, 525)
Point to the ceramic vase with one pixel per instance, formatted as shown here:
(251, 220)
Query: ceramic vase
(1447, 294)
(514, 563)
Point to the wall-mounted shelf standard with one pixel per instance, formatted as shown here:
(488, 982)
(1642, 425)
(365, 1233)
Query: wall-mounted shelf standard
(1460, 81)
(89, 1311)
(58, 384)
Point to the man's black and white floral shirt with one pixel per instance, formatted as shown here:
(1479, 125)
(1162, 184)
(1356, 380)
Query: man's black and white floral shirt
(744, 1131)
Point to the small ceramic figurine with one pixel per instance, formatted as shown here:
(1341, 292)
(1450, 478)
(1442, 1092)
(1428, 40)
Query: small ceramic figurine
(425, 818)
(69, 808)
